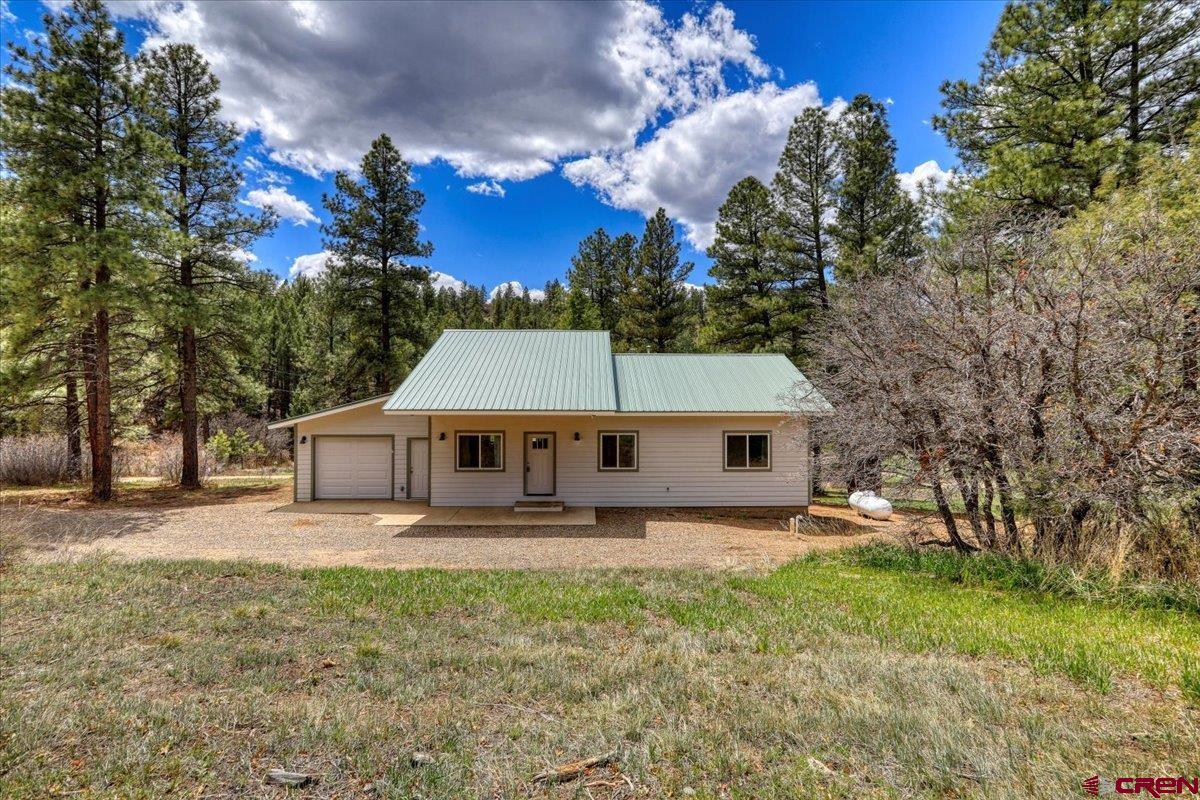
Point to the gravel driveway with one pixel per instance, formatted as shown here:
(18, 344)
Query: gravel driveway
(712, 539)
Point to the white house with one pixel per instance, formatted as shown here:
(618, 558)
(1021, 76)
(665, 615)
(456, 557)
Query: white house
(496, 417)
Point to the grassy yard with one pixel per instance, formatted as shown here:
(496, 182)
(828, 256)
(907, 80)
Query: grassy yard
(830, 677)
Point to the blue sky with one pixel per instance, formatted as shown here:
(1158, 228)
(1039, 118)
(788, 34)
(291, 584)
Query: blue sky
(582, 115)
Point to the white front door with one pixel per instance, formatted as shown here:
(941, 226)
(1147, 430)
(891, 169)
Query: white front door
(418, 469)
(539, 463)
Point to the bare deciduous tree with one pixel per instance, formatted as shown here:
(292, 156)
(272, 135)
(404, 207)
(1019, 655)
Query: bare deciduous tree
(1039, 378)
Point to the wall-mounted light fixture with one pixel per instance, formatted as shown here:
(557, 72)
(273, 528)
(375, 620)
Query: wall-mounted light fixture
(303, 440)
(442, 436)
(577, 436)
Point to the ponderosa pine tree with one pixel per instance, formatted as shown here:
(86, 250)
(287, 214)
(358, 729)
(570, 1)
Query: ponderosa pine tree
(803, 192)
(323, 347)
(282, 348)
(71, 136)
(877, 226)
(553, 302)
(39, 358)
(372, 233)
(200, 274)
(1070, 93)
(625, 255)
(657, 314)
(745, 301)
(597, 271)
(579, 313)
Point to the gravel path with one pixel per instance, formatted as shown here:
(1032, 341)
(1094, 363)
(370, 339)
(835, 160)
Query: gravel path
(711, 539)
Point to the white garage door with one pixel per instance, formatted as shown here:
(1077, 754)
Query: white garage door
(354, 467)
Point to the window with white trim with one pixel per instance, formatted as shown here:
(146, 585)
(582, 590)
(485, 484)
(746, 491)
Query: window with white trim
(479, 452)
(748, 450)
(618, 451)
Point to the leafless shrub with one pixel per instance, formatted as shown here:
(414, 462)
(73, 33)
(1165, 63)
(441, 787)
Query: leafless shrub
(34, 460)
(1046, 376)
(167, 459)
(157, 457)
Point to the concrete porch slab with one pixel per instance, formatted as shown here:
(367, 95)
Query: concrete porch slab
(353, 507)
(491, 516)
(406, 513)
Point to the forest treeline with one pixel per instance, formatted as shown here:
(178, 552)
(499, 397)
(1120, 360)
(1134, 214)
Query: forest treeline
(130, 304)
(1022, 345)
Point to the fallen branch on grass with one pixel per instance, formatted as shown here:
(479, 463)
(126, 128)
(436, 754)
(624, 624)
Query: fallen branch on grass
(281, 777)
(573, 769)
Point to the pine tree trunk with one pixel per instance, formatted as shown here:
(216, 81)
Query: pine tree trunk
(100, 409)
(189, 476)
(385, 333)
(819, 257)
(189, 473)
(74, 445)
(100, 427)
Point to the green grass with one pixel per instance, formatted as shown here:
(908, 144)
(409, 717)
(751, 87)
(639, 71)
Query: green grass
(990, 570)
(839, 676)
(836, 497)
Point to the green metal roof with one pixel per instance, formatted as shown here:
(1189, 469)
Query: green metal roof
(703, 382)
(503, 370)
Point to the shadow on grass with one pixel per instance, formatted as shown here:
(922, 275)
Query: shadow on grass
(598, 531)
(50, 519)
(632, 523)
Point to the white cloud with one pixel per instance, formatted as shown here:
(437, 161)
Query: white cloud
(487, 188)
(244, 256)
(517, 289)
(443, 281)
(928, 173)
(689, 165)
(312, 265)
(499, 90)
(261, 172)
(285, 204)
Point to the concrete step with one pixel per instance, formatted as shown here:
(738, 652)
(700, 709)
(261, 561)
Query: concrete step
(553, 506)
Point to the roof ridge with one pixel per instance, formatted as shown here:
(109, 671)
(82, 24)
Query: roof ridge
(518, 330)
(722, 355)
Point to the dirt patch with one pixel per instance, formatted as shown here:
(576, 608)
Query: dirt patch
(705, 538)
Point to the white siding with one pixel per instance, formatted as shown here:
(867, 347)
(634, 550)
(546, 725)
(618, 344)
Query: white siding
(680, 461)
(366, 420)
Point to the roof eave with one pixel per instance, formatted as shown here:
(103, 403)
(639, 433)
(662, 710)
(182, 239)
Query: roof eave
(325, 412)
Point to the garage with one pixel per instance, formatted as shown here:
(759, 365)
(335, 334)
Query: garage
(352, 467)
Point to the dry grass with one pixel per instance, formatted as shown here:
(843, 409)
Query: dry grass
(153, 493)
(160, 678)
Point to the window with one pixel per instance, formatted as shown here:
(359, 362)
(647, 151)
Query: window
(619, 450)
(747, 450)
(480, 451)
